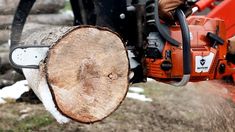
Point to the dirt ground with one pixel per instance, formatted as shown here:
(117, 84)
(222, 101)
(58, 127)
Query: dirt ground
(197, 107)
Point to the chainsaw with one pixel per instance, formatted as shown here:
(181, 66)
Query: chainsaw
(193, 49)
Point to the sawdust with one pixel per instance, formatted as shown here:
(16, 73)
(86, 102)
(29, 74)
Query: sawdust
(201, 106)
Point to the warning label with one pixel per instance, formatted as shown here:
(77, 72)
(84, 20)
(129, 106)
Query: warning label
(203, 63)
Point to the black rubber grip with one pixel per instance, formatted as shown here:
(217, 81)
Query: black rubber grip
(186, 41)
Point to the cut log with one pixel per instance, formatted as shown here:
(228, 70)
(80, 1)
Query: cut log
(8, 7)
(86, 70)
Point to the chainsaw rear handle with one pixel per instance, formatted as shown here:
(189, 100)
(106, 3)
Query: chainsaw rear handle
(202, 4)
(199, 6)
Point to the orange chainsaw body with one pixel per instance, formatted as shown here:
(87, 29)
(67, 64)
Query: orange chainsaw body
(208, 59)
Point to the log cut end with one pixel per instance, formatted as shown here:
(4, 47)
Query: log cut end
(87, 72)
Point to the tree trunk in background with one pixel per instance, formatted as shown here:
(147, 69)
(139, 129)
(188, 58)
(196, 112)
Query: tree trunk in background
(4, 54)
(86, 70)
(41, 6)
(4, 36)
(48, 19)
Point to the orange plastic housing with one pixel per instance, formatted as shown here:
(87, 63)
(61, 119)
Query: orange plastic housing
(201, 47)
(224, 11)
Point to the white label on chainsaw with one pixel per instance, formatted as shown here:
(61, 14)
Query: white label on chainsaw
(29, 56)
(203, 63)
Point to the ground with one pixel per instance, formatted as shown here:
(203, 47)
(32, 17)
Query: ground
(197, 107)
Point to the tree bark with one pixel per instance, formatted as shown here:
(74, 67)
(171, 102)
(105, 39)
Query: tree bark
(86, 70)
(8, 7)
(52, 19)
(49, 19)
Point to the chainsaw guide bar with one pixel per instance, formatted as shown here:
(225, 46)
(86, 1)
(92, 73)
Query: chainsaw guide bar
(28, 56)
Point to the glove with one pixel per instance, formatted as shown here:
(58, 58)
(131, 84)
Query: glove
(167, 8)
